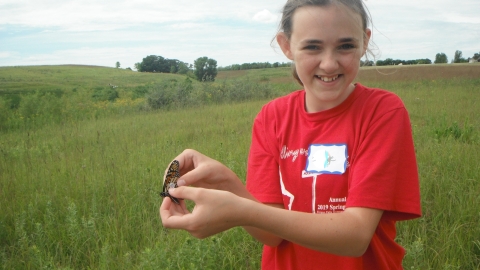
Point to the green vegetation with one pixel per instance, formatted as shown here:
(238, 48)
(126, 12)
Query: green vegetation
(441, 58)
(80, 174)
(156, 63)
(390, 61)
(33, 97)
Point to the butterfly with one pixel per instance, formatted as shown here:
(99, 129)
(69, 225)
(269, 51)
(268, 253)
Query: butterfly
(170, 180)
(328, 159)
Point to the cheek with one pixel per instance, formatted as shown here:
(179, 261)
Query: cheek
(306, 63)
(351, 61)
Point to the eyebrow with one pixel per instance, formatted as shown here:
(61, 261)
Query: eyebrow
(341, 40)
(347, 40)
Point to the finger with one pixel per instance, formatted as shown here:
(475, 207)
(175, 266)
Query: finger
(192, 177)
(173, 208)
(185, 192)
(188, 159)
(173, 215)
(164, 210)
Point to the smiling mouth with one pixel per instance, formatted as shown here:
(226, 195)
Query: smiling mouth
(327, 79)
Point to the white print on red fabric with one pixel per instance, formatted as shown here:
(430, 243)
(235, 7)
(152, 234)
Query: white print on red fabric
(293, 153)
(332, 207)
(333, 160)
(286, 192)
(327, 158)
(306, 174)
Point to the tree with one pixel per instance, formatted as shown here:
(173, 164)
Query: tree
(425, 61)
(183, 68)
(476, 56)
(366, 63)
(458, 57)
(117, 65)
(155, 63)
(386, 62)
(138, 66)
(441, 58)
(205, 69)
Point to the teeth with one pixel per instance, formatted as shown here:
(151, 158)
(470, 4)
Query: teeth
(328, 79)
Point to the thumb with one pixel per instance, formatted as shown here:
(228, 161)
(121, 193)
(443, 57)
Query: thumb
(191, 177)
(183, 192)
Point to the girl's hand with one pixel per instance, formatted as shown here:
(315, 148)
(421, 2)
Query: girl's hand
(199, 170)
(215, 211)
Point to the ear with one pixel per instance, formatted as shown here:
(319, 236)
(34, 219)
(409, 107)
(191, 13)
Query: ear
(284, 43)
(366, 39)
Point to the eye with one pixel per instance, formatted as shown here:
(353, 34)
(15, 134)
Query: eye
(347, 46)
(312, 47)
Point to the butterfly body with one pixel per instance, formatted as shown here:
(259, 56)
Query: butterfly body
(170, 180)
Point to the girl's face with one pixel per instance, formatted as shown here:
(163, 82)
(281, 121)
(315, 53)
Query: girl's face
(326, 45)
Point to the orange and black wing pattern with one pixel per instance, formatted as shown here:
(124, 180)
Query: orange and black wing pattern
(170, 180)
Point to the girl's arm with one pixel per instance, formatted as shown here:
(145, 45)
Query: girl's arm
(347, 234)
(263, 236)
(199, 170)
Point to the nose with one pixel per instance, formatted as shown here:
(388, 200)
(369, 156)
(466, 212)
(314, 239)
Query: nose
(328, 62)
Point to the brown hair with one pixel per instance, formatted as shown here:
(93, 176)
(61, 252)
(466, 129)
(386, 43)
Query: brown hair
(286, 24)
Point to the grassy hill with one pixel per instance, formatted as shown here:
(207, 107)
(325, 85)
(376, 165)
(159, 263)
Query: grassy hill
(80, 174)
(68, 77)
(49, 78)
(373, 74)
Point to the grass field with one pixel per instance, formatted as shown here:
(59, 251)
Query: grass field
(80, 176)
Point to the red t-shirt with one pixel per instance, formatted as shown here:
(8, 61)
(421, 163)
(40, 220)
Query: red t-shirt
(358, 154)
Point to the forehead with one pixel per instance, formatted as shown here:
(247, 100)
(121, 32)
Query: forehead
(332, 18)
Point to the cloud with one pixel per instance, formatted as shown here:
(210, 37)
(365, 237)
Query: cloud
(7, 54)
(265, 16)
(103, 32)
(72, 14)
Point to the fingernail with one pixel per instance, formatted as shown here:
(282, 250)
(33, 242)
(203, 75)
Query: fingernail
(181, 182)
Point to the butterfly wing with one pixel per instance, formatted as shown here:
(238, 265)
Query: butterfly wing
(170, 180)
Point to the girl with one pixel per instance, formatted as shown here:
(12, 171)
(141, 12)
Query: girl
(331, 168)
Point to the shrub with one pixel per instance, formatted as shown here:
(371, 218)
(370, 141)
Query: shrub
(105, 94)
(13, 101)
(28, 107)
(139, 91)
(4, 112)
(184, 91)
(466, 134)
(162, 96)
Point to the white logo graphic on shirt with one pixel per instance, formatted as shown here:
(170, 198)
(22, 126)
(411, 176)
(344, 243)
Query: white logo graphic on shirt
(306, 174)
(327, 158)
(286, 192)
(293, 153)
(321, 159)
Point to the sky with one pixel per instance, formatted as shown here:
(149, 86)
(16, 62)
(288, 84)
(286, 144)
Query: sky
(103, 32)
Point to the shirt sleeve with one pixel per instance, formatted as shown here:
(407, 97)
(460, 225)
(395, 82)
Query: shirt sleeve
(263, 180)
(384, 172)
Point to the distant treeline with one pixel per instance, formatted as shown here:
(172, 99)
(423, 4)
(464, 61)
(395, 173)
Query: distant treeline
(156, 63)
(386, 62)
(390, 62)
(255, 65)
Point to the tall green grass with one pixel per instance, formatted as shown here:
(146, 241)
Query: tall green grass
(83, 193)
(86, 194)
(446, 128)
